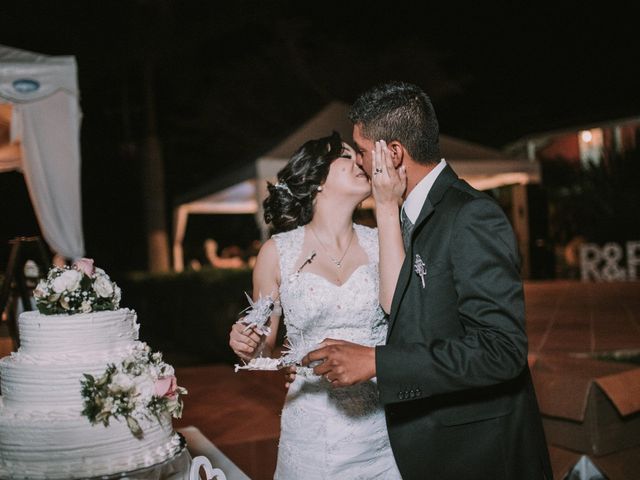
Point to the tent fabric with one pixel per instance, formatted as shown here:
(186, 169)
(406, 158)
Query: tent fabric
(481, 166)
(46, 116)
(28, 76)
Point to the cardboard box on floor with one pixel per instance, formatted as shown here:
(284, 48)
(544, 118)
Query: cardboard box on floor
(623, 465)
(588, 406)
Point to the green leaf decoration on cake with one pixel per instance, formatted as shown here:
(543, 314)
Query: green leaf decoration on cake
(141, 386)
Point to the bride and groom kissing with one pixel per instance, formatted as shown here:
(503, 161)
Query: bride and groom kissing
(418, 362)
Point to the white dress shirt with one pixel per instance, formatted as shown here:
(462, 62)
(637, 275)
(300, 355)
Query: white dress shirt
(414, 201)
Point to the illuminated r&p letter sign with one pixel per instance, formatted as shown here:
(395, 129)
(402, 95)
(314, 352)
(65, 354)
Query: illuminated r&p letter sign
(606, 263)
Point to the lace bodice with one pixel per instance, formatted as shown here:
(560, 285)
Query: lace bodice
(315, 308)
(328, 432)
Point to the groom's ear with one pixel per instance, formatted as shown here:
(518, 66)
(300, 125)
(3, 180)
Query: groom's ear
(397, 153)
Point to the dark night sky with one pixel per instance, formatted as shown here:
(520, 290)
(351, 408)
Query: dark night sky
(231, 81)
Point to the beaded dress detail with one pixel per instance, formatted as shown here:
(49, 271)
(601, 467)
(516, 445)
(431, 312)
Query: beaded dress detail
(326, 432)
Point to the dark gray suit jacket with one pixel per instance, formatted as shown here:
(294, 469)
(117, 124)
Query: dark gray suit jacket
(453, 375)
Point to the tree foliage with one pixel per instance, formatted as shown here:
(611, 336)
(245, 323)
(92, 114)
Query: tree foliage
(599, 202)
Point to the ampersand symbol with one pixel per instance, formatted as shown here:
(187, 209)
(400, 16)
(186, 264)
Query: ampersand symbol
(612, 254)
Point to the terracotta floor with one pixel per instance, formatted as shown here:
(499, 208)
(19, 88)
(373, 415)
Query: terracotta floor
(239, 412)
(575, 318)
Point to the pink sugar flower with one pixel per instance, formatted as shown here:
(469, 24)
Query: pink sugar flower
(166, 386)
(85, 265)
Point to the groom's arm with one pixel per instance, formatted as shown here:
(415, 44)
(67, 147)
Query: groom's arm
(490, 307)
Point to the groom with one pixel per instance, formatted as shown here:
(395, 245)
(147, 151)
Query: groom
(453, 375)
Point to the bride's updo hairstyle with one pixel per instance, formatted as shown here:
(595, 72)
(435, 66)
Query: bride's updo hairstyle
(290, 201)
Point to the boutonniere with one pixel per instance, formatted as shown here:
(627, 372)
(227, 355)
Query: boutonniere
(420, 268)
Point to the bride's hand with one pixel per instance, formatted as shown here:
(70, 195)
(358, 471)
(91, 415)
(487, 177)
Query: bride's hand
(243, 342)
(387, 182)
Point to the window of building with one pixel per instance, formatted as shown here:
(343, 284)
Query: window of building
(590, 143)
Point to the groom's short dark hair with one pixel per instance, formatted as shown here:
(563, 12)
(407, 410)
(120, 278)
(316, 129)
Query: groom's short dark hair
(399, 111)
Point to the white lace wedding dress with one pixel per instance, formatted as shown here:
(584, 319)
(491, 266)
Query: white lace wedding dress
(332, 433)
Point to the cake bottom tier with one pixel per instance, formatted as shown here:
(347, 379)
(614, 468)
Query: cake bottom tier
(64, 445)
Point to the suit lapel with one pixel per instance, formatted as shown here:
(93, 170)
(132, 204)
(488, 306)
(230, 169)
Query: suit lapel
(442, 183)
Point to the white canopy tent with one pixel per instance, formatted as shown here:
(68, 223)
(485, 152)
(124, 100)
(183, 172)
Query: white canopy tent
(243, 190)
(39, 105)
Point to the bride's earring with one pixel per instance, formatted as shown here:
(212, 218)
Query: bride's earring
(319, 188)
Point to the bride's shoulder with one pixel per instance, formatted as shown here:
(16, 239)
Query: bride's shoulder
(268, 249)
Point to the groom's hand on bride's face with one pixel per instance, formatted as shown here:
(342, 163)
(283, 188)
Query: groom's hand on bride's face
(343, 363)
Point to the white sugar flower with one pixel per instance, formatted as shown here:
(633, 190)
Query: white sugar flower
(69, 280)
(64, 303)
(117, 295)
(103, 287)
(145, 387)
(129, 360)
(85, 306)
(107, 405)
(167, 370)
(41, 289)
(121, 383)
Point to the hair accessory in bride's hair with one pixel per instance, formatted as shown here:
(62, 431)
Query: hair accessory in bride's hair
(283, 186)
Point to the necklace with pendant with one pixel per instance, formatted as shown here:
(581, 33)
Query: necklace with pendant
(335, 261)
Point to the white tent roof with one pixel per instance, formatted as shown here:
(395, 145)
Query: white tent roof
(482, 166)
(27, 76)
(39, 97)
(242, 191)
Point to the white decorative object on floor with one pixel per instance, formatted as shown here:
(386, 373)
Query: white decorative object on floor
(199, 445)
(203, 462)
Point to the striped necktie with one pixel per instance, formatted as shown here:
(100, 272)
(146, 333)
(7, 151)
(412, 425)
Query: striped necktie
(407, 227)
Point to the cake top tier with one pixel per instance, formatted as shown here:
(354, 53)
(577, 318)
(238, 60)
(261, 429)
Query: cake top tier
(83, 333)
(80, 288)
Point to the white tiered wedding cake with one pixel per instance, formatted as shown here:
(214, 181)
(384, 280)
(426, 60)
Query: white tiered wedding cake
(83, 397)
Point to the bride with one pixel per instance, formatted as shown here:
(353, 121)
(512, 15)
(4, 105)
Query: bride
(325, 270)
